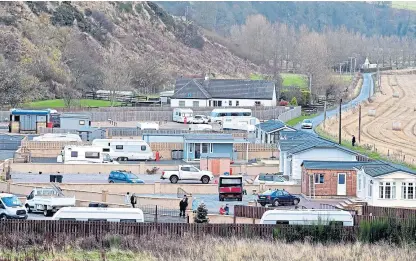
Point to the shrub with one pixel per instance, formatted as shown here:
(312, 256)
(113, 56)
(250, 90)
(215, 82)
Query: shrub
(139, 8)
(38, 7)
(294, 102)
(283, 103)
(65, 15)
(125, 7)
(201, 214)
(166, 18)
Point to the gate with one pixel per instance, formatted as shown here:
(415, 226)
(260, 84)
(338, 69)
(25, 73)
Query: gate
(159, 214)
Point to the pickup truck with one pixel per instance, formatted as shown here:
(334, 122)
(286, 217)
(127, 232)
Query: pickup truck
(47, 200)
(187, 172)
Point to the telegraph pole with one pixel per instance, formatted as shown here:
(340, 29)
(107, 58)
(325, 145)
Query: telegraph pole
(339, 130)
(324, 113)
(359, 123)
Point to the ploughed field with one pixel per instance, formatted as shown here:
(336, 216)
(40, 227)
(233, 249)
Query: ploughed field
(388, 121)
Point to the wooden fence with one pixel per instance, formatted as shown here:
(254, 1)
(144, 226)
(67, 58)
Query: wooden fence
(389, 212)
(249, 211)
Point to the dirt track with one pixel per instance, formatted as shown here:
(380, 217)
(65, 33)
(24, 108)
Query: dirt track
(377, 131)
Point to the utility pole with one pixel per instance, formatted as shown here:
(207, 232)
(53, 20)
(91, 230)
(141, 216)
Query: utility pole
(359, 123)
(324, 113)
(351, 65)
(310, 89)
(355, 63)
(339, 130)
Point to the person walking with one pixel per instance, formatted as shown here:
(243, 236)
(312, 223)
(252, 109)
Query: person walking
(353, 140)
(183, 204)
(133, 200)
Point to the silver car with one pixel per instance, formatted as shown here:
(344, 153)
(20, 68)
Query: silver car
(307, 124)
(200, 119)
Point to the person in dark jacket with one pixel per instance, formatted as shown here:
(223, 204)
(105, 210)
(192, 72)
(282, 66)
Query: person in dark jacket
(183, 204)
(133, 200)
(353, 140)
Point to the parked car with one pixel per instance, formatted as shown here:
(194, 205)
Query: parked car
(277, 197)
(11, 207)
(271, 179)
(122, 176)
(187, 172)
(200, 119)
(307, 124)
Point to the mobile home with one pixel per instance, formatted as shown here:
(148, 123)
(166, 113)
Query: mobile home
(217, 115)
(84, 155)
(58, 137)
(148, 126)
(240, 123)
(125, 149)
(130, 215)
(308, 217)
(179, 115)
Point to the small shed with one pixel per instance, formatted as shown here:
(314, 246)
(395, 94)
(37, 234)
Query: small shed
(217, 163)
(28, 121)
(75, 121)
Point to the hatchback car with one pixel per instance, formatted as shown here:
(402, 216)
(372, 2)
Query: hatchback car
(200, 119)
(277, 198)
(121, 176)
(307, 124)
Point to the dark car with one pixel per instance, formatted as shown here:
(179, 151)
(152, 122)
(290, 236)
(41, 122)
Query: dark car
(277, 198)
(122, 176)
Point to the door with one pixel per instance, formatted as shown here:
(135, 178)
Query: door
(197, 151)
(342, 185)
(185, 173)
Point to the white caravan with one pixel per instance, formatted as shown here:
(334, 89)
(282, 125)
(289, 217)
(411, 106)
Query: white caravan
(72, 154)
(11, 207)
(48, 200)
(240, 123)
(58, 137)
(200, 127)
(125, 149)
(131, 215)
(148, 126)
(217, 115)
(308, 217)
(179, 115)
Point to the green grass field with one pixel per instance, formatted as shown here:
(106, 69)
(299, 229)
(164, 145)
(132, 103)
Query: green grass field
(407, 5)
(289, 79)
(59, 103)
(295, 121)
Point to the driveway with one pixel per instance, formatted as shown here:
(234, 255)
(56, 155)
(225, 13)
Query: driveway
(367, 88)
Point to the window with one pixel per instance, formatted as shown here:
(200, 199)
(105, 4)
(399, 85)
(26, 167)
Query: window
(119, 147)
(370, 189)
(205, 147)
(195, 103)
(143, 147)
(211, 148)
(106, 150)
(190, 147)
(257, 103)
(282, 222)
(74, 154)
(359, 182)
(230, 103)
(92, 155)
(127, 220)
(181, 103)
(81, 122)
(237, 103)
(248, 114)
(408, 190)
(185, 168)
(387, 190)
(319, 178)
(193, 169)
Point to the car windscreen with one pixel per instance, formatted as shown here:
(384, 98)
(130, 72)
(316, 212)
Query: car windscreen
(231, 181)
(131, 176)
(307, 121)
(267, 192)
(266, 178)
(12, 201)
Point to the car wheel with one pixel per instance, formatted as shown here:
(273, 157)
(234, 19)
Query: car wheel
(125, 159)
(111, 181)
(174, 179)
(275, 203)
(205, 180)
(46, 212)
(28, 210)
(295, 201)
(119, 159)
(263, 204)
(3, 217)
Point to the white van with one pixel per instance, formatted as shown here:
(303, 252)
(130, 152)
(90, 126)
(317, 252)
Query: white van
(240, 123)
(307, 217)
(179, 115)
(11, 207)
(58, 137)
(133, 215)
(125, 149)
(72, 154)
(148, 126)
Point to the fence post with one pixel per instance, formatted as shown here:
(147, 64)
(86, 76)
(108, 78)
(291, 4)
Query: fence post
(156, 214)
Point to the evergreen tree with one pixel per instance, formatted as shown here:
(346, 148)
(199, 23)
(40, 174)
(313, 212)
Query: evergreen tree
(294, 102)
(201, 214)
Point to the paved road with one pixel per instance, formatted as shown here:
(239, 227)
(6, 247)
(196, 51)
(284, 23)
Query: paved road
(367, 88)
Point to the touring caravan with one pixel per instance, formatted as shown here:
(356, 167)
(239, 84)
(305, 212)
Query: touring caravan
(308, 217)
(217, 115)
(131, 215)
(72, 154)
(58, 137)
(179, 115)
(240, 123)
(125, 149)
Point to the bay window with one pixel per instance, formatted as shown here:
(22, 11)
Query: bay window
(387, 190)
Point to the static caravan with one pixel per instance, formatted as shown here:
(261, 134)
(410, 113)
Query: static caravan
(308, 217)
(58, 137)
(125, 149)
(84, 155)
(217, 115)
(179, 115)
(130, 215)
(148, 126)
(240, 123)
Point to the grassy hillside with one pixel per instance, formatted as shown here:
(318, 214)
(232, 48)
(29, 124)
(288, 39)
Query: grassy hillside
(59, 103)
(406, 5)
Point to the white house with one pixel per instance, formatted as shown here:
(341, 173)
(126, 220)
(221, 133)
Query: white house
(386, 184)
(269, 131)
(206, 92)
(309, 147)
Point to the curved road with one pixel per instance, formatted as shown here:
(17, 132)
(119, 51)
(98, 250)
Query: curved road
(367, 88)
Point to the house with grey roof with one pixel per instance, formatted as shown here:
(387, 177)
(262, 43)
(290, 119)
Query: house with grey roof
(386, 184)
(198, 92)
(269, 131)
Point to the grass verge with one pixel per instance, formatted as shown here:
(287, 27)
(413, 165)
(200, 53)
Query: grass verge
(59, 103)
(295, 121)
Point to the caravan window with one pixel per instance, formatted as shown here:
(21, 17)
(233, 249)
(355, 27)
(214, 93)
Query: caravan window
(74, 154)
(143, 148)
(127, 220)
(106, 150)
(97, 219)
(81, 122)
(119, 147)
(92, 155)
(282, 222)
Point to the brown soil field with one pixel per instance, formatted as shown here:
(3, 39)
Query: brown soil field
(394, 105)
